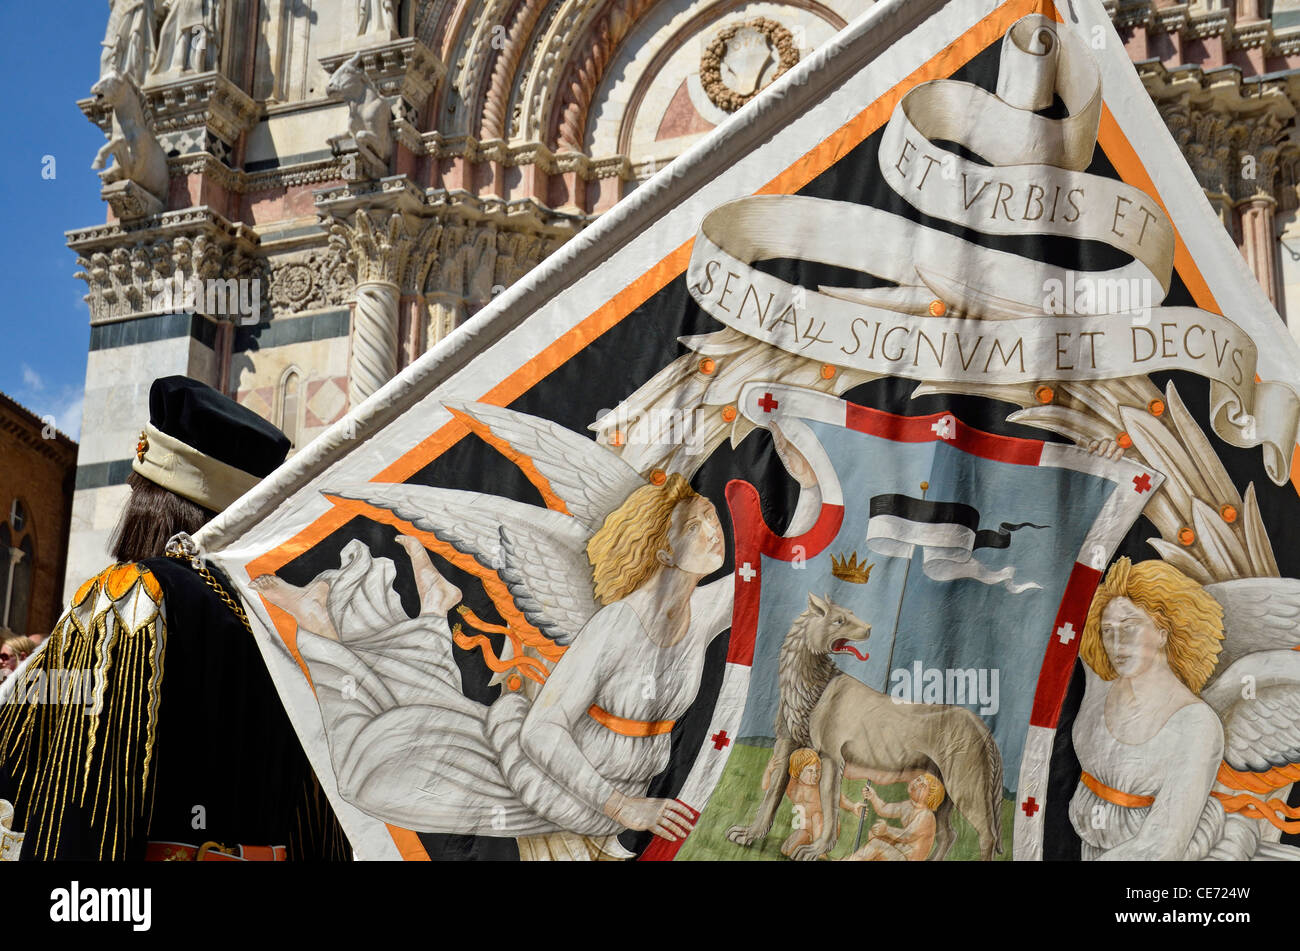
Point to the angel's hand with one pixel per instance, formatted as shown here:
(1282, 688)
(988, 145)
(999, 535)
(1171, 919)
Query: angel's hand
(664, 817)
(1106, 448)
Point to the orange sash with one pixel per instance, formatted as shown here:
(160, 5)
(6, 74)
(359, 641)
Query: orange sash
(626, 727)
(1128, 800)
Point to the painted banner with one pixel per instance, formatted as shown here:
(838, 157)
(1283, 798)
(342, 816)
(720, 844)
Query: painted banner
(902, 474)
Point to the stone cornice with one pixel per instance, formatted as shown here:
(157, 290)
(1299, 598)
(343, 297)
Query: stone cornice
(169, 224)
(1245, 36)
(127, 266)
(37, 443)
(437, 145)
(398, 193)
(1233, 132)
(29, 429)
(1173, 19)
(1181, 19)
(207, 100)
(1132, 13)
(241, 182)
(1202, 26)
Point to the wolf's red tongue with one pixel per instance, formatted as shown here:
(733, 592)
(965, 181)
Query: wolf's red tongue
(842, 646)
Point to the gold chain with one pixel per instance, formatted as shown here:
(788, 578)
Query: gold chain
(215, 585)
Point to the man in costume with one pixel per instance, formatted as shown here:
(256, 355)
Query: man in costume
(148, 727)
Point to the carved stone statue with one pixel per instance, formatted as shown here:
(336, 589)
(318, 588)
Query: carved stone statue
(377, 17)
(137, 183)
(189, 39)
(129, 39)
(369, 114)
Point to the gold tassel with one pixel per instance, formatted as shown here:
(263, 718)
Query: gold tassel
(63, 753)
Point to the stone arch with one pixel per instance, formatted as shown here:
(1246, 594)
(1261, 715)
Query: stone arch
(465, 49)
(493, 106)
(565, 34)
(567, 125)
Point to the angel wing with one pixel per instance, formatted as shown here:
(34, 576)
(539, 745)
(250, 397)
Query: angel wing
(1258, 614)
(539, 554)
(1258, 699)
(1257, 696)
(587, 477)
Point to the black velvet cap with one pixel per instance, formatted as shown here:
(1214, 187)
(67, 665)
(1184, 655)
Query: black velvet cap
(197, 415)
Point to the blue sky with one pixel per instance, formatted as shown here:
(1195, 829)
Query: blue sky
(51, 59)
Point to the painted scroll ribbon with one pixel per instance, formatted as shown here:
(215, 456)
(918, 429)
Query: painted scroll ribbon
(1101, 324)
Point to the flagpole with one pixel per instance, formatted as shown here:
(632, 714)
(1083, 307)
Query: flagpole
(889, 665)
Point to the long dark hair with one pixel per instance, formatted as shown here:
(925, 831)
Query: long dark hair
(153, 515)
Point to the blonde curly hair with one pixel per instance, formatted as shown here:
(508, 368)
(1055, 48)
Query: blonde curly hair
(622, 552)
(802, 758)
(1190, 618)
(934, 797)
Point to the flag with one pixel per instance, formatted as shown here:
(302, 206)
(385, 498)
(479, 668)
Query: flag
(947, 532)
(593, 578)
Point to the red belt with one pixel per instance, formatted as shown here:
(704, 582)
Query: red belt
(213, 852)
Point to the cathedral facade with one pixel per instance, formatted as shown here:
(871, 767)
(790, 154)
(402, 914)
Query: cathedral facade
(303, 196)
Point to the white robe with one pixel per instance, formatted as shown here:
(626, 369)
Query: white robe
(1176, 766)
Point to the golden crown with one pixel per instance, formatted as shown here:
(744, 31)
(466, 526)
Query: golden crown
(850, 569)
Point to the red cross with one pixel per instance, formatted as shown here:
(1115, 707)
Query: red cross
(720, 739)
(1142, 483)
(767, 403)
(1030, 807)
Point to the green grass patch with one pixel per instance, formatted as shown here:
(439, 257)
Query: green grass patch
(737, 796)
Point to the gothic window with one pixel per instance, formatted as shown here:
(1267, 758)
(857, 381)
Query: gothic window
(20, 597)
(17, 565)
(290, 400)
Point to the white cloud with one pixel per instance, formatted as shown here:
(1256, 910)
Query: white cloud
(69, 416)
(32, 378)
(63, 412)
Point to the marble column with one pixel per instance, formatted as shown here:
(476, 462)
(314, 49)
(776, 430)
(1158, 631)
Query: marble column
(374, 339)
(379, 244)
(1256, 218)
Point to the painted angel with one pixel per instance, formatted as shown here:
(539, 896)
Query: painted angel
(1191, 713)
(609, 586)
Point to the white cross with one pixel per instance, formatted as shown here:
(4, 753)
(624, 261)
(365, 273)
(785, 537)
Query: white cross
(943, 428)
(1065, 632)
(747, 572)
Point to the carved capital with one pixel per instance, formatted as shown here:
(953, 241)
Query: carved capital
(383, 247)
(138, 271)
